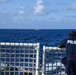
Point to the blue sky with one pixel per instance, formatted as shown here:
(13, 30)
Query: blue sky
(37, 14)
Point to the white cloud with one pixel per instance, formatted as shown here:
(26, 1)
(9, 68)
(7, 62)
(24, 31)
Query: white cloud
(39, 7)
(74, 6)
(22, 10)
(71, 8)
(3, 1)
(62, 3)
(70, 16)
(13, 17)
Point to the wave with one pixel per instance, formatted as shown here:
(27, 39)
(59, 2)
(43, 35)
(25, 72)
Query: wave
(56, 68)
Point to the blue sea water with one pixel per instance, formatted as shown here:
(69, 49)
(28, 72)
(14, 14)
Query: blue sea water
(44, 37)
(47, 37)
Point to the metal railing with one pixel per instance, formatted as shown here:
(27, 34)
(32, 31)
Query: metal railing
(52, 61)
(19, 58)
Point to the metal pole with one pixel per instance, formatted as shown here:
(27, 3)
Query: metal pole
(37, 60)
(43, 67)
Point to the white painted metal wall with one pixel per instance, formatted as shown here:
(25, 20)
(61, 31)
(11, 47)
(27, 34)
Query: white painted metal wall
(21, 58)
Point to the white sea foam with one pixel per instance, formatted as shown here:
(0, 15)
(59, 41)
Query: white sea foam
(2, 65)
(49, 67)
(53, 66)
(60, 73)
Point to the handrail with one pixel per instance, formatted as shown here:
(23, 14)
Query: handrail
(47, 49)
(19, 44)
(24, 46)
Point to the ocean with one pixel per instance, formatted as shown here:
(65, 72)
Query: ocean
(46, 37)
